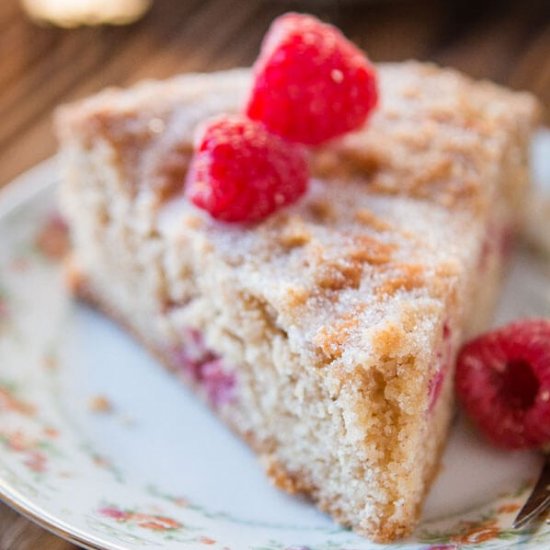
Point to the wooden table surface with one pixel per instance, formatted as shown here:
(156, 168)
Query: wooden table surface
(40, 67)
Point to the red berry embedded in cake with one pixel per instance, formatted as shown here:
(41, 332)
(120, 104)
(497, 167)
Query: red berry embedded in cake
(311, 84)
(443, 360)
(503, 381)
(204, 367)
(242, 173)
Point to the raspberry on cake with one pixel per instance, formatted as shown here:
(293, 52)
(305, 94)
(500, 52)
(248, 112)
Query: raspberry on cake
(241, 172)
(324, 335)
(310, 83)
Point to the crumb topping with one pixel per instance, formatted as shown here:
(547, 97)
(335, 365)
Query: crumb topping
(408, 277)
(389, 227)
(433, 136)
(331, 339)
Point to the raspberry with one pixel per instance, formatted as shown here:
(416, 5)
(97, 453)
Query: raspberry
(503, 381)
(241, 172)
(204, 367)
(311, 84)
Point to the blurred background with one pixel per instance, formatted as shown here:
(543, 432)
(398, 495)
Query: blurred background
(53, 51)
(42, 65)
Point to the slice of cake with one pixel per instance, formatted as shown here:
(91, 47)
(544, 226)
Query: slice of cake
(325, 335)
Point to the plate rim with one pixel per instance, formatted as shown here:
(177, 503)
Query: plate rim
(28, 184)
(40, 517)
(14, 194)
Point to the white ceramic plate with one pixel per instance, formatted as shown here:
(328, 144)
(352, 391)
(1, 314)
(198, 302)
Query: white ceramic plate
(158, 470)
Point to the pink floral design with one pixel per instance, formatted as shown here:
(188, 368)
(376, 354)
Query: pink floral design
(19, 264)
(36, 461)
(180, 502)
(53, 238)
(476, 532)
(51, 432)
(152, 522)
(33, 457)
(10, 403)
(101, 461)
(508, 508)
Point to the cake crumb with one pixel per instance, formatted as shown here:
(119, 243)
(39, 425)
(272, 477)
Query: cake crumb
(100, 404)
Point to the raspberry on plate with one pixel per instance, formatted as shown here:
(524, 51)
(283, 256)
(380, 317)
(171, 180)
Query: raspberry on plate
(310, 83)
(242, 173)
(503, 381)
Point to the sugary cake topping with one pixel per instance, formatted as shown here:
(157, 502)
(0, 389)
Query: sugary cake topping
(406, 136)
(366, 217)
(503, 381)
(407, 276)
(242, 173)
(310, 83)
(402, 151)
(332, 339)
(294, 233)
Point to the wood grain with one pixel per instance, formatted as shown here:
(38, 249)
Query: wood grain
(41, 67)
(16, 533)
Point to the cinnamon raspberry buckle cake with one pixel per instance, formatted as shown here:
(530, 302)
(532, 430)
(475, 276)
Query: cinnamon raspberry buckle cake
(325, 334)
